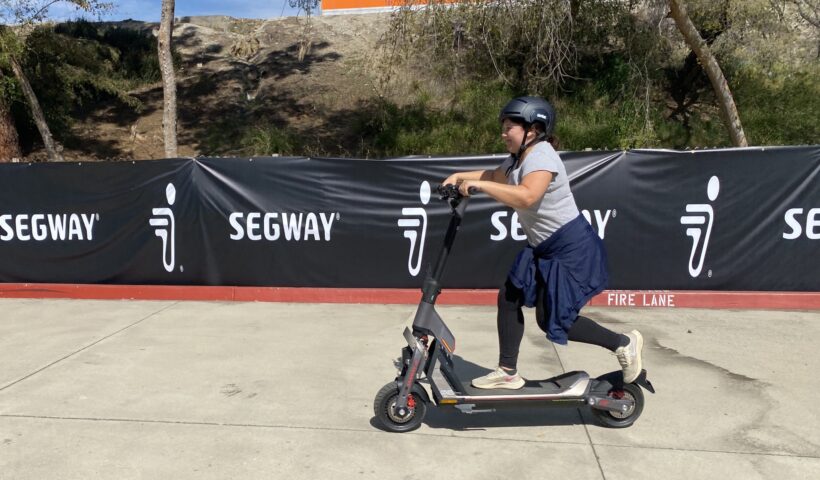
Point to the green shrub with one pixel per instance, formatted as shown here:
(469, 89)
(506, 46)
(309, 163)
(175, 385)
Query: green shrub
(468, 125)
(780, 106)
(265, 140)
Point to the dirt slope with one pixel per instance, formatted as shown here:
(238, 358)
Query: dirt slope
(246, 71)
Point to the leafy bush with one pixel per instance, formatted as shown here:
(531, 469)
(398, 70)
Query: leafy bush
(618, 73)
(469, 125)
(781, 106)
(265, 140)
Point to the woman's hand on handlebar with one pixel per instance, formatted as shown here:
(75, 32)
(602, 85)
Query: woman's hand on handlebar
(469, 187)
(452, 180)
(464, 187)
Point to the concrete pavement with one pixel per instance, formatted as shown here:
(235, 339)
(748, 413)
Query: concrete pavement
(213, 390)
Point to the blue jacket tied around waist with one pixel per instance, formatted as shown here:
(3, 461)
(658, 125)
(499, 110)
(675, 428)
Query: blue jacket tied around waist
(571, 267)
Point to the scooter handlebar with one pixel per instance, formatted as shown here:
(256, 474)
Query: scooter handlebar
(451, 192)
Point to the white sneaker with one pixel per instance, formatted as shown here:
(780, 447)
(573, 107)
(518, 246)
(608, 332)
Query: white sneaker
(499, 378)
(630, 356)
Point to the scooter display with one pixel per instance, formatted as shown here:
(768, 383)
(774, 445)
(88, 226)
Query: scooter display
(400, 406)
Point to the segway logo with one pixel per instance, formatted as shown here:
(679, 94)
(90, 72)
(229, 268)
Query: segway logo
(701, 220)
(164, 228)
(414, 223)
(792, 217)
(42, 227)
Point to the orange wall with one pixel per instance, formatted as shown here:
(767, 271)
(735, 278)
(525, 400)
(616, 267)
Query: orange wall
(340, 4)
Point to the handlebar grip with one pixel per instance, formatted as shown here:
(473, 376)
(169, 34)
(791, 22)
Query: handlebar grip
(448, 191)
(452, 191)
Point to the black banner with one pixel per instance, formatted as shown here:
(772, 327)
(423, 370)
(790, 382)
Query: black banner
(736, 219)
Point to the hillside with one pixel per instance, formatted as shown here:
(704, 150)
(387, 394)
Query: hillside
(243, 73)
(378, 85)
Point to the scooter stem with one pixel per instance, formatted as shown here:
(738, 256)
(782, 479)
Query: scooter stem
(432, 284)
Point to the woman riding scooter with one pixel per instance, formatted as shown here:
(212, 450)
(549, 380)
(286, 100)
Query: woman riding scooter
(564, 263)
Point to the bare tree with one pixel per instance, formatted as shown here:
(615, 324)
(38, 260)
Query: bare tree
(169, 84)
(527, 45)
(723, 93)
(26, 13)
(52, 148)
(305, 40)
(809, 10)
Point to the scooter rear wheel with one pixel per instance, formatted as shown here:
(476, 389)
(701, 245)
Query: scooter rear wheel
(384, 408)
(629, 391)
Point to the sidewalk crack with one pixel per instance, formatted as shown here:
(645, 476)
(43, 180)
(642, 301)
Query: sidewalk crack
(55, 362)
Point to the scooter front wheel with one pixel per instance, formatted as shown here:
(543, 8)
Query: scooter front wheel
(385, 409)
(629, 391)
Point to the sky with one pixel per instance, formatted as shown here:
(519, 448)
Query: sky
(149, 10)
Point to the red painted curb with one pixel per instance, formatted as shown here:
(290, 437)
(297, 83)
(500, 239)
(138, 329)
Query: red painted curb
(609, 298)
(708, 299)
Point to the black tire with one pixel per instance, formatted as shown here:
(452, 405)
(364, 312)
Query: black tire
(383, 407)
(617, 419)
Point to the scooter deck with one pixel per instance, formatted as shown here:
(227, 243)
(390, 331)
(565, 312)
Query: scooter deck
(550, 386)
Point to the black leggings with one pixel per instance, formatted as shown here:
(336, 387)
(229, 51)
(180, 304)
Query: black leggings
(511, 326)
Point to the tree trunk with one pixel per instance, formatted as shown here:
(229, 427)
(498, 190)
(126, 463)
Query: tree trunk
(169, 85)
(9, 140)
(36, 112)
(723, 94)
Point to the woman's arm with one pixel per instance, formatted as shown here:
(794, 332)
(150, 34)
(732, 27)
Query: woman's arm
(496, 175)
(531, 190)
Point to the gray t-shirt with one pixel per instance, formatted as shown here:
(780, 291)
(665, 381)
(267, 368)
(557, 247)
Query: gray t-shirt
(557, 208)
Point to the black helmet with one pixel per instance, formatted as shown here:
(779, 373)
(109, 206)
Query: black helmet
(530, 110)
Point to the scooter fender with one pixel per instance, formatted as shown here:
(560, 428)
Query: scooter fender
(421, 392)
(616, 379)
(644, 382)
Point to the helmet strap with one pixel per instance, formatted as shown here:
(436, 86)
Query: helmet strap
(524, 145)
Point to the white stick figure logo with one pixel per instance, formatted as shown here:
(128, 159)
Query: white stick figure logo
(164, 227)
(414, 224)
(703, 215)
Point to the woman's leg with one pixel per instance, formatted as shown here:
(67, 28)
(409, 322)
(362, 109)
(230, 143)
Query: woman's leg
(510, 322)
(627, 347)
(585, 330)
(510, 333)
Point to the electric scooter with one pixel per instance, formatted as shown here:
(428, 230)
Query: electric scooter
(400, 405)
